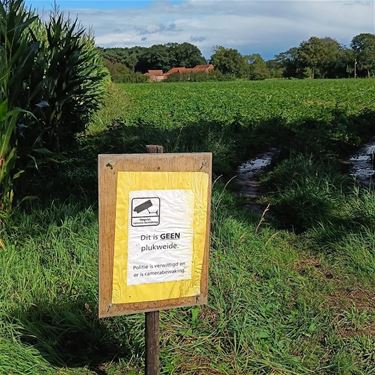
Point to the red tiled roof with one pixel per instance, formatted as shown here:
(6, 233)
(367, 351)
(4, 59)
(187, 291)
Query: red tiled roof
(180, 69)
(158, 75)
(155, 73)
(202, 68)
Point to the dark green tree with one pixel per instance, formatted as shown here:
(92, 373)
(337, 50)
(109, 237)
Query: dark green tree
(155, 57)
(291, 63)
(345, 64)
(229, 61)
(319, 55)
(275, 68)
(185, 54)
(125, 56)
(363, 46)
(256, 67)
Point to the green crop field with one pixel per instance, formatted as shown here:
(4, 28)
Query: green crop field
(290, 294)
(178, 104)
(238, 119)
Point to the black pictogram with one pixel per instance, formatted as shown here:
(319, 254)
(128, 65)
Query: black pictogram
(145, 212)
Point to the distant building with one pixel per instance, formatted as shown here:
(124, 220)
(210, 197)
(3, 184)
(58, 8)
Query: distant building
(158, 75)
(155, 75)
(178, 70)
(203, 68)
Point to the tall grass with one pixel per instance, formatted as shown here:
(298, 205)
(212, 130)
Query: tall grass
(268, 309)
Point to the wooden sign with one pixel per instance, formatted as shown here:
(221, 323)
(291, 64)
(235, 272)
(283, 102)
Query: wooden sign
(154, 224)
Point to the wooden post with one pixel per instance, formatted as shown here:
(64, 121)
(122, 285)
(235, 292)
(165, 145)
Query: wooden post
(154, 149)
(152, 351)
(152, 341)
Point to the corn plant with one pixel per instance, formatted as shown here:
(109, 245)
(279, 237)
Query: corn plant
(17, 52)
(52, 71)
(19, 49)
(8, 154)
(73, 83)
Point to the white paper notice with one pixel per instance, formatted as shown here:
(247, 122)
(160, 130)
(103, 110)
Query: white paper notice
(160, 236)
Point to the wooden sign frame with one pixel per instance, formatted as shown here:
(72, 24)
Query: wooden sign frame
(108, 168)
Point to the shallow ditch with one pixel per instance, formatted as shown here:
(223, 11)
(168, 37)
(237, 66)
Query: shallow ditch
(248, 182)
(362, 164)
(248, 185)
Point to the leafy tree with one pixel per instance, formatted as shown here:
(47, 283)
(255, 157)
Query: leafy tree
(319, 55)
(122, 74)
(125, 56)
(345, 64)
(185, 54)
(275, 68)
(155, 57)
(363, 46)
(291, 63)
(257, 67)
(159, 56)
(228, 61)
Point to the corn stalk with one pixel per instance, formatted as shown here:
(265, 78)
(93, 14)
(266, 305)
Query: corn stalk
(53, 71)
(16, 60)
(8, 155)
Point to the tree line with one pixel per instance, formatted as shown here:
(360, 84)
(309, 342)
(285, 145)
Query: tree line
(313, 58)
(326, 58)
(129, 64)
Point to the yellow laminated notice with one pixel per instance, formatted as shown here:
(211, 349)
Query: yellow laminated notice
(160, 235)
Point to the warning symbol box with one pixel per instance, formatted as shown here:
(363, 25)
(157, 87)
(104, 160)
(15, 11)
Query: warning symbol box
(145, 212)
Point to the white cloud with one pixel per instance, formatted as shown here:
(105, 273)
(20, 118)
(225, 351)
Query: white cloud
(268, 26)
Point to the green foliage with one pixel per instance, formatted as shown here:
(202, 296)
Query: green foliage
(156, 57)
(55, 74)
(228, 61)
(160, 56)
(275, 68)
(363, 46)
(8, 155)
(121, 74)
(306, 191)
(185, 54)
(326, 58)
(249, 104)
(291, 63)
(257, 68)
(54, 71)
(124, 56)
(73, 85)
(313, 58)
(319, 54)
(17, 52)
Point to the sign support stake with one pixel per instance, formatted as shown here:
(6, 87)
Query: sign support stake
(152, 340)
(152, 352)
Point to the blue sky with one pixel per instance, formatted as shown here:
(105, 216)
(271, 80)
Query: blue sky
(252, 26)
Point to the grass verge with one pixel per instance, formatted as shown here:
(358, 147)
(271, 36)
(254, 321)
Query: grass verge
(274, 306)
